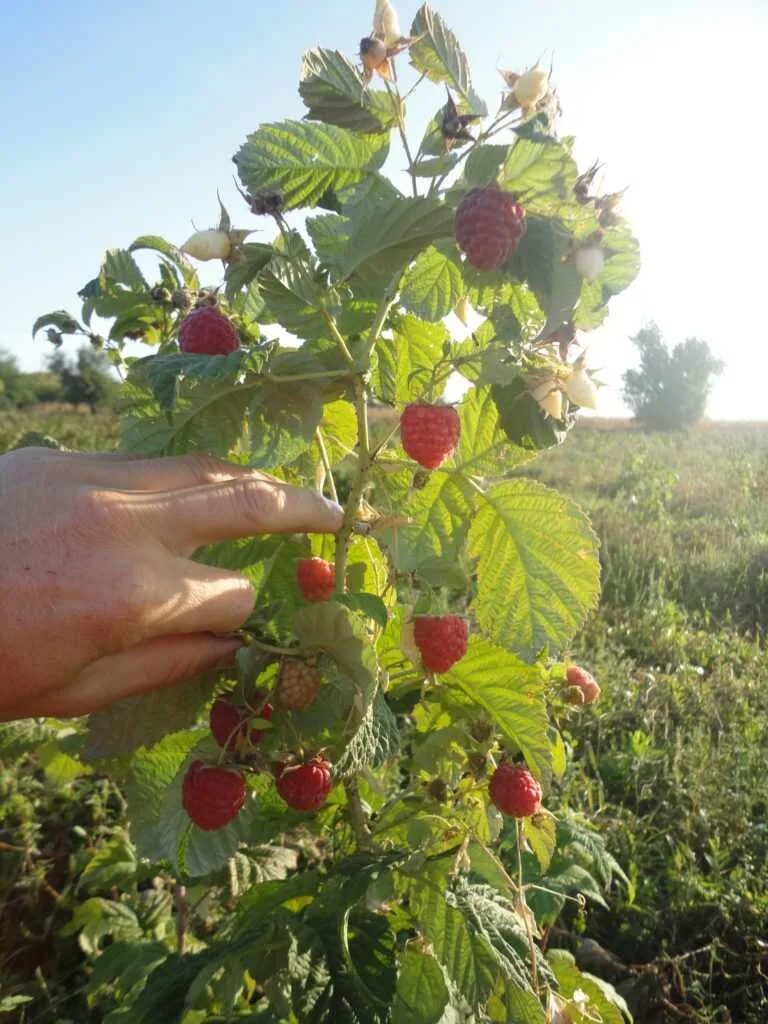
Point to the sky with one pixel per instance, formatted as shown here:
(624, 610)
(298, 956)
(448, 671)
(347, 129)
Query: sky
(121, 120)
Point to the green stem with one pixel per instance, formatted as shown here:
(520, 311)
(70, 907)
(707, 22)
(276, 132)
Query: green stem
(291, 378)
(338, 337)
(357, 815)
(521, 897)
(397, 102)
(358, 486)
(326, 464)
(273, 648)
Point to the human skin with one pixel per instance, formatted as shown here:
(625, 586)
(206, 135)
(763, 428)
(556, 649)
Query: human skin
(99, 596)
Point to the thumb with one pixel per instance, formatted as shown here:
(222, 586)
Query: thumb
(152, 665)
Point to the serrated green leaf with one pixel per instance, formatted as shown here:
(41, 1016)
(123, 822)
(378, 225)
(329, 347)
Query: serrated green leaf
(484, 164)
(375, 741)
(369, 605)
(17, 738)
(484, 449)
(144, 719)
(305, 160)
(541, 260)
(405, 364)
(113, 864)
(96, 919)
(383, 238)
(293, 298)
(441, 513)
(60, 767)
(422, 994)
(334, 92)
(432, 286)
(239, 273)
(119, 267)
(538, 572)
(510, 693)
(536, 170)
(466, 955)
(283, 419)
(524, 421)
(436, 53)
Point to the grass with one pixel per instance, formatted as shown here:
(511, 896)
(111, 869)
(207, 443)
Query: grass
(670, 764)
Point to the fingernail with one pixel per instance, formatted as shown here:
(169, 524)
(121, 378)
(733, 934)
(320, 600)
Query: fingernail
(334, 506)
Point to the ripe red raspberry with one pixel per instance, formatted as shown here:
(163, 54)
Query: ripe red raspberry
(430, 433)
(515, 791)
(305, 787)
(212, 796)
(583, 687)
(489, 225)
(297, 686)
(316, 578)
(229, 723)
(442, 641)
(207, 332)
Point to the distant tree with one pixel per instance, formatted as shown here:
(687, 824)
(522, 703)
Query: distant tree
(669, 390)
(87, 380)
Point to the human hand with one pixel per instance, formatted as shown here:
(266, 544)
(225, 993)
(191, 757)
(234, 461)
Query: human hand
(99, 598)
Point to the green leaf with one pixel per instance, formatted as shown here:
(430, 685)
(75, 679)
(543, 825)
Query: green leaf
(441, 512)
(511, 694)
(334, 92)
(466, 955)
(97, 919)
(328, 626)
(432, 286)
(163, 374)
(375, 741)
(60, 767)
(157, 244)
(540, 833)
(370, 605)
(119, 267)
(123, 966)
(524, 421)
(252, 259)
(484, 448)
(282, 419)
(113, 864)
(144, 719)
(436, 53)
(602, 996)
(384, 238)
(305, 160)
(60, 319)
(484, 164)
(540, 260)
(422, 994)
(17, 738)
(538, 572)
(405, 363)
(536, 170)
(293, 297)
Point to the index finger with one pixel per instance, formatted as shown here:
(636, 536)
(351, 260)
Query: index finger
(186, 519)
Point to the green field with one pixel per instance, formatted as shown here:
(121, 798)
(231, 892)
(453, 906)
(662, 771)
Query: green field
(670, 766)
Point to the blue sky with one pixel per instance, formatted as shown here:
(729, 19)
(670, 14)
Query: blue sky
(121, 120)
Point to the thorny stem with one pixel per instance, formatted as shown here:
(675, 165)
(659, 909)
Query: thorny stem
(397, 101)
(326, 464)
(521, 896)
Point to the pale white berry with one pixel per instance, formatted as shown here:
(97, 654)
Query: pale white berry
(580, 389)
(531, 87)
(589, 261)
(208, 245)
(549, 397)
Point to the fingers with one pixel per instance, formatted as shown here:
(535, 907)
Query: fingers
(203, 600)
(124, 473)
(187, 519)
(150, 666)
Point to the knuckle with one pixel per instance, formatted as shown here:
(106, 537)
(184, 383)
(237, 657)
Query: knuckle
(257, 501)
(206, 469)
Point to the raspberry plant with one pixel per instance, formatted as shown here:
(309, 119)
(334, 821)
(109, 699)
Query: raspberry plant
(427, 664)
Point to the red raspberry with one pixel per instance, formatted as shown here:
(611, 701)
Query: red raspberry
(316, 578)
(212, 796)
(489, 225)
(305, 787)
(430, 433)
(298, 685)
(515, 791)
(583, 687)
(207, 332)
(442, 641)
(229, 723)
